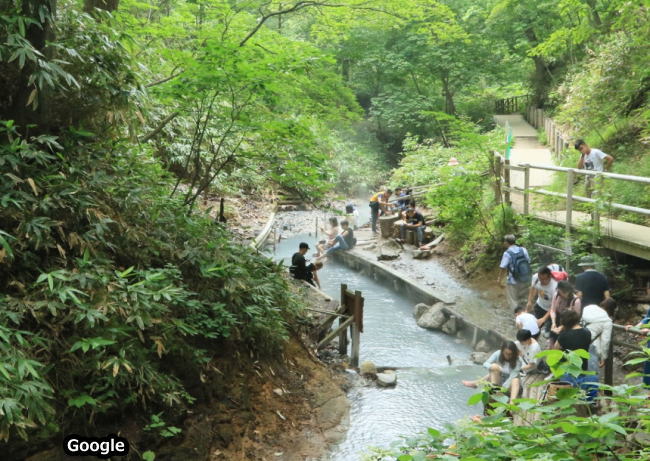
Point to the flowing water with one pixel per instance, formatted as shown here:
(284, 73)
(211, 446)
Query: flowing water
(428, 391)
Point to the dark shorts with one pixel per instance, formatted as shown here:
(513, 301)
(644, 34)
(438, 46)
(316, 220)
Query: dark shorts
(539, 313)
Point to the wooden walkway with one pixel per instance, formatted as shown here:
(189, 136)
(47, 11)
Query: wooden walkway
(620, 236)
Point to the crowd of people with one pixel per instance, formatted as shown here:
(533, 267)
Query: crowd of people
(567, 317)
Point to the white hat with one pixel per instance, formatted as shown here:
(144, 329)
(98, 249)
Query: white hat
(453, 162)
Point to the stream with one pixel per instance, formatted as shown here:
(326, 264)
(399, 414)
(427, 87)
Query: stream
(428, 391)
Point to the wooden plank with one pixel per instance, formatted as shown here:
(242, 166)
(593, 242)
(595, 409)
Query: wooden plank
(345, 309)
(569, 200)
(333, 334)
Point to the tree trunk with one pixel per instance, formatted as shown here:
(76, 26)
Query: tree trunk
(37, 33)
(450, 107)
(107, 5)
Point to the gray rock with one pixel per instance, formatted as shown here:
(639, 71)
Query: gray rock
(482, 346)
(386, 379)
(451, 326)
(387, 256)
(433, 318)
(641, 309)
(420, 309)
(421, 254)
(367, 369)
(479, 357)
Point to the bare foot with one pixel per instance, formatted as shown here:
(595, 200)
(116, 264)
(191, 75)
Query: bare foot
(469, 384)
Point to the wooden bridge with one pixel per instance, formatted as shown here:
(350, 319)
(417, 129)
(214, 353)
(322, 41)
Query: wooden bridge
(530, 171)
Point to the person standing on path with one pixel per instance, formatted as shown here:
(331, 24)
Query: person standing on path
(543, 286)
(515, 262)
(592, 159)
(592, 286)
(596, 320)
(378, 202)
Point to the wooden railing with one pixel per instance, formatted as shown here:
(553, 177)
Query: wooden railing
(595, 182)
(350, 315)
(512, 105)
(557, 139)
(503, 168)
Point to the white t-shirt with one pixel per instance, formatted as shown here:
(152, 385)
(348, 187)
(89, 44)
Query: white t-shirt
(528, 353)
(595, 160)
(545, 293)
(528, 322)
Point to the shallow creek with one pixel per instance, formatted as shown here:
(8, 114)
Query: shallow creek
(428, 391)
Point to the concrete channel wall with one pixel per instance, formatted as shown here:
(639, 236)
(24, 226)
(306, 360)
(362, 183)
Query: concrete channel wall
(467, 330)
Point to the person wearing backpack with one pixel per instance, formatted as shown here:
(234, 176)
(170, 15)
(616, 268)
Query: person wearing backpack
(543, 286)
(515, 262)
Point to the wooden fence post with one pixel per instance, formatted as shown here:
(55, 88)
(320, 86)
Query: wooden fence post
(569, 199)
(526, 186)
(343, 336)
(357, 327)
(595, 215)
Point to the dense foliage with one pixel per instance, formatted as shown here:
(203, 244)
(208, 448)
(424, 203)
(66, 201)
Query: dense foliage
(562, 428)
(117, 117)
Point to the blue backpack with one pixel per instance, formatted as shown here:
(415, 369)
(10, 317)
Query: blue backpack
(519, 266)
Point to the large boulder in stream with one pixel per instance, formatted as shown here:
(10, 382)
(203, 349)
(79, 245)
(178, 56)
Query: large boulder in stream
(433, 318)
(368, 369)
(482, 346)
(420, 309)
(387, 379)
(479, 358)
(451, 326)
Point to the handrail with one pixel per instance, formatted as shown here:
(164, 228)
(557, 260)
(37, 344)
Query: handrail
(502, 170)
(604, 174)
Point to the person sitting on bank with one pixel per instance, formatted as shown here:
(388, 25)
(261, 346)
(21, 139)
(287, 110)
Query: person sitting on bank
(303, 271)
(413, 220)
(378, 203)
(592, 159)
(503, 366)
(331, 234)
(564, 299)
(528, 350)
(344, 241)
(526, 321)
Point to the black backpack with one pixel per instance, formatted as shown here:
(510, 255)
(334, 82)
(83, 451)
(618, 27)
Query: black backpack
(519, 266)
